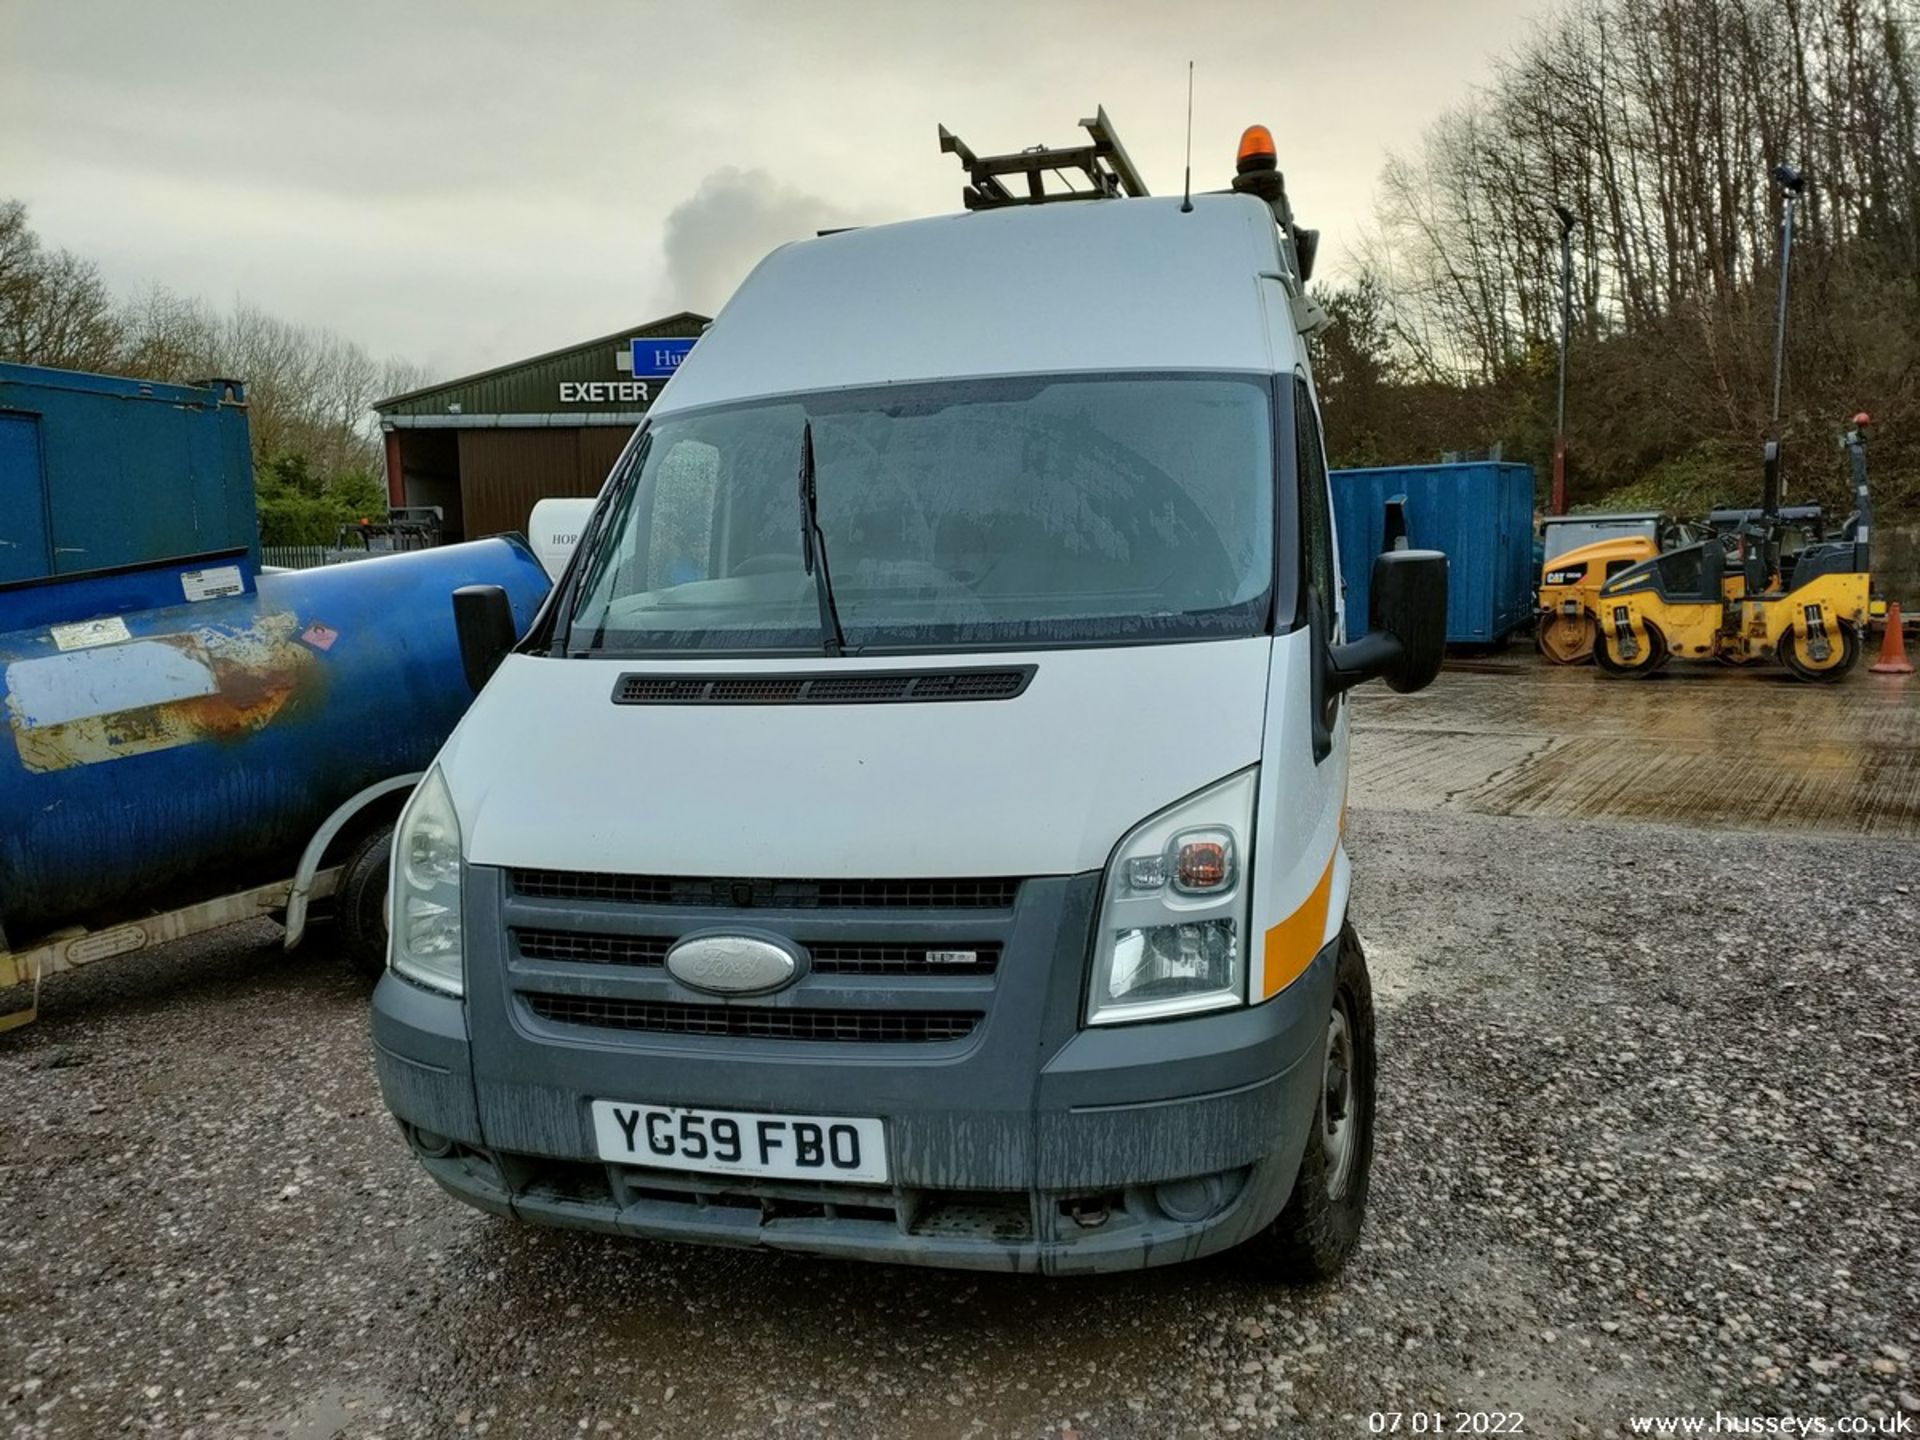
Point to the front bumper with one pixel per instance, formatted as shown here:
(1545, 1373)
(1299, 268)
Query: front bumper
(1031, 1145)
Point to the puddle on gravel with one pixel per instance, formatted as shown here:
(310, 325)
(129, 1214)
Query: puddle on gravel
(335, 1413)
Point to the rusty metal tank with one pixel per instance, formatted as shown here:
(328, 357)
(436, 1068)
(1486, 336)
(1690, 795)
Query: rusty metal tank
(156, 753)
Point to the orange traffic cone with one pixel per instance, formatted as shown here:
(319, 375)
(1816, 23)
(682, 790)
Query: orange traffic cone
(1893, 647)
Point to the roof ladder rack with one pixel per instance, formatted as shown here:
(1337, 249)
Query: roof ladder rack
(1103, 166)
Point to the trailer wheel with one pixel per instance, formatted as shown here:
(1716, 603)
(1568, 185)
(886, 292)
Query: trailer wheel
(1317, 1232)
(1804, 669)
(361, 902)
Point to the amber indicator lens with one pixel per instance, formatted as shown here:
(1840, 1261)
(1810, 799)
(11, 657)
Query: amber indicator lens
(1203, 865)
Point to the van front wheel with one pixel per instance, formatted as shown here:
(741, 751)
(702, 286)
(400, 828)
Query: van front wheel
(1317, 1232)
(361, 902)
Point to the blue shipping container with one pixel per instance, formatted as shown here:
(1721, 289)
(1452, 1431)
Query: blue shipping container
(99, 472)
(1480, 513)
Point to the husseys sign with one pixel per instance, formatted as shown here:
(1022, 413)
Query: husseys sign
(646, 359)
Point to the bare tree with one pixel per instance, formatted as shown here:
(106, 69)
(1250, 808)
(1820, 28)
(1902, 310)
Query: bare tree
(1657, 121)
(54, 307)
(310, 391)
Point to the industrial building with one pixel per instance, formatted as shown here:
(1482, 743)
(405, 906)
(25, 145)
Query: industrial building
(485, 447)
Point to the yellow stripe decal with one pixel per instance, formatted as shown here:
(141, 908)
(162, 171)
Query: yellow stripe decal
(1292, 944)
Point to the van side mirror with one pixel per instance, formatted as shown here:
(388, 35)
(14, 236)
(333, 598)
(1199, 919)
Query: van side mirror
(483, 621)
(1407, 629)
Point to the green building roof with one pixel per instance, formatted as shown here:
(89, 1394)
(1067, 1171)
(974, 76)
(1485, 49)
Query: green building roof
(587, 379)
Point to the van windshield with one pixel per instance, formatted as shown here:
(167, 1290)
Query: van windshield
(980, 513)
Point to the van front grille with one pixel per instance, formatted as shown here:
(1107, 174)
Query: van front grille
(757, 1023)
(730, 894)
(829, 957)
(584, 949)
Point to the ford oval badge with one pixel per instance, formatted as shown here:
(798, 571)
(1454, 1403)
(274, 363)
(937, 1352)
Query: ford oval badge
(732, 964)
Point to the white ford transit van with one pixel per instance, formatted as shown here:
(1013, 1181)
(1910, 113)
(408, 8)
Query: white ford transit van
(912, 829)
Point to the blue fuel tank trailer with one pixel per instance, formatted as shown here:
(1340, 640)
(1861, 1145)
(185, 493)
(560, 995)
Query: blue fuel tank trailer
(189, 725)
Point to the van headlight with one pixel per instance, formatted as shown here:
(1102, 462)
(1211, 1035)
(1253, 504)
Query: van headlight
(423, 923)
(1172, 935)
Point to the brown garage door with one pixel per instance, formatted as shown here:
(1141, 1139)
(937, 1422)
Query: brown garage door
(503, 472)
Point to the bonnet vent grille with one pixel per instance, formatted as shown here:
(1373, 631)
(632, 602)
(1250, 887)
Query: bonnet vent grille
(843, 687)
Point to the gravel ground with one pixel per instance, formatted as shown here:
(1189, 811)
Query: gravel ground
(1655, 1155)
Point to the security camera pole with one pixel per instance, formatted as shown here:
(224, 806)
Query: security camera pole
(1567, 221)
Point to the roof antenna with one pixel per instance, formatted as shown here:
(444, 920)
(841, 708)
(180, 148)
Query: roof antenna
(1186, 199)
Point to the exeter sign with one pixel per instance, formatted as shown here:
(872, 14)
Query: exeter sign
(604, 392)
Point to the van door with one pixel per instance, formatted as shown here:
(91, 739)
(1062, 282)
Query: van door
(1300, 902)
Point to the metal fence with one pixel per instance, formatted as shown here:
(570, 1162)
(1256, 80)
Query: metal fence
(298, 557)
(307, 557)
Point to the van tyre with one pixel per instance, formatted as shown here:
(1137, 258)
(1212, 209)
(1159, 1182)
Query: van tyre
(361, 902)
(1317, 1232)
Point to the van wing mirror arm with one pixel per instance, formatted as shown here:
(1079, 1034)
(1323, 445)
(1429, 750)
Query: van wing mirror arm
(1373, 655)
(1406, 638)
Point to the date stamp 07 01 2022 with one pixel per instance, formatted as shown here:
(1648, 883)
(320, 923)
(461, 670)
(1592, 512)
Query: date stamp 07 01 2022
(1446, 1422)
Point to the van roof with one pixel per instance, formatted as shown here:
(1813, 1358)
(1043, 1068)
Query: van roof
(1096, 285)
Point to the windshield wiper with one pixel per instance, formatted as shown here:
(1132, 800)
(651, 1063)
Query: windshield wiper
(813, 550)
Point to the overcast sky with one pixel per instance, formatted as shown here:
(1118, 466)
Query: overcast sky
(468, 183)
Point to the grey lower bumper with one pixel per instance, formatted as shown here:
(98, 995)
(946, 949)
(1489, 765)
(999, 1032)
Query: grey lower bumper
(1040, 1146)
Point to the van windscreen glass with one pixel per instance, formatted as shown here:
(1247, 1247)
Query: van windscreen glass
(983, 513)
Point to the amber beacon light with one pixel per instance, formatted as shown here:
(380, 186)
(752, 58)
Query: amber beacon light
(1256, 150)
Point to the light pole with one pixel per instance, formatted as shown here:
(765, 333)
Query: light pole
(1567, 221)
(1792, 185)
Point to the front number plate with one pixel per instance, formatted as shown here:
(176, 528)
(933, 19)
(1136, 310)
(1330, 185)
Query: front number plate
(739, 1142)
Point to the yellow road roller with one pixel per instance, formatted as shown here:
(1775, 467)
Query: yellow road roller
(1735, 597)
(1570, 580)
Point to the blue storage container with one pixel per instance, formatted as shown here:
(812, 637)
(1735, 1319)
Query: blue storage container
(1480, 513)
(173, 724)
(99, 472)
